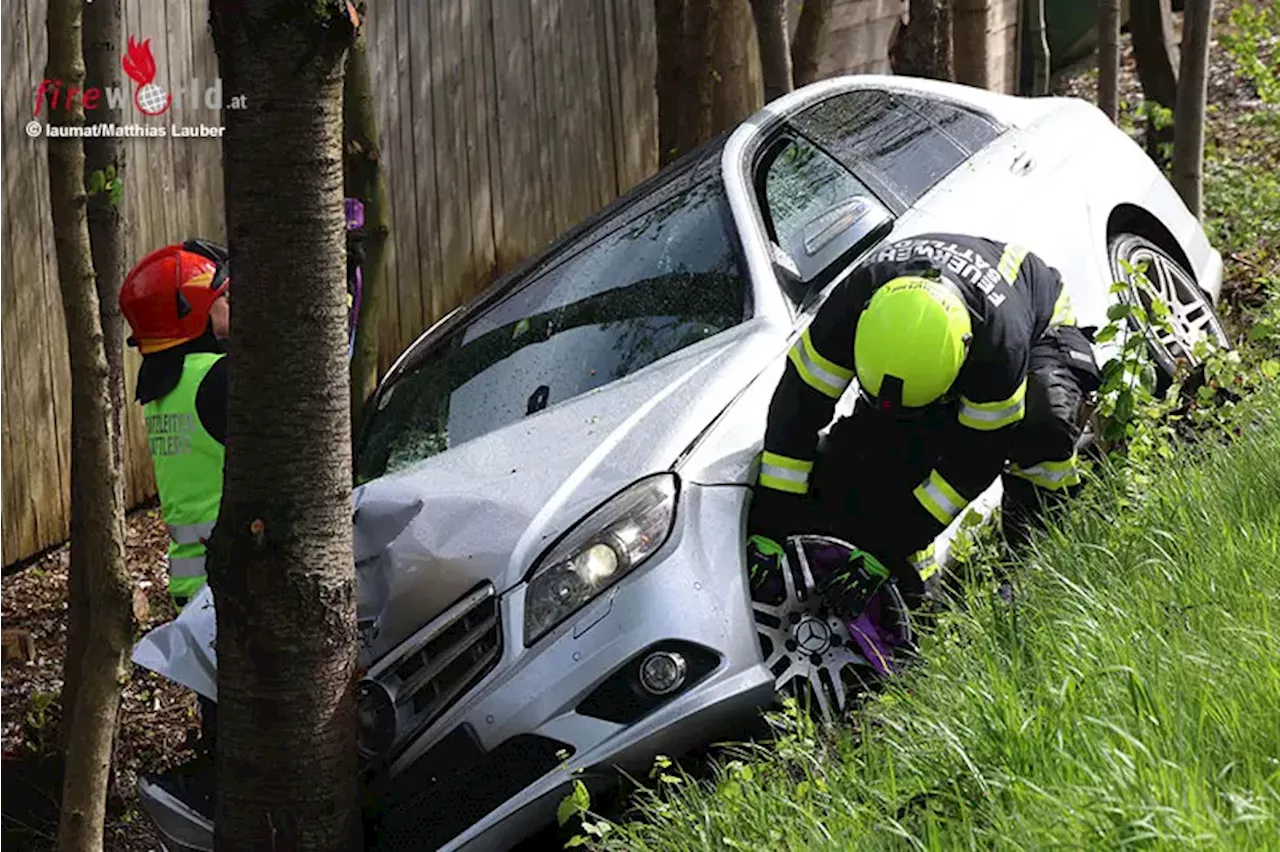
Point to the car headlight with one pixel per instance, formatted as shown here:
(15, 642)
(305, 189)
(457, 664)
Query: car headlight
(599, 551)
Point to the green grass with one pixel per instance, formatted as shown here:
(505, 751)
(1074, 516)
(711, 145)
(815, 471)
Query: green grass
(1129, 699)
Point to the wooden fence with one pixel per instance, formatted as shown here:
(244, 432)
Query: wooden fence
(503, 121)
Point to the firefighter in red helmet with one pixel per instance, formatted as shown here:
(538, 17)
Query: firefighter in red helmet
(177, 306)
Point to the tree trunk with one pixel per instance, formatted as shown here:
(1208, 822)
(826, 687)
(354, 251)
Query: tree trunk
(708, 75)
(924, 47)
(97, 544)
(806, 49)
(364, 180)
(104, 157)
(1109, 58)
(1155, 51)
(1193, 79)
(732, 76)
(775, 52)
(1039, 46)
(670, 83)
(280, 558)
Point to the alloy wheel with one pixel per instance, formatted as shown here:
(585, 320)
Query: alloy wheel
(807, 646)
(1191, 315)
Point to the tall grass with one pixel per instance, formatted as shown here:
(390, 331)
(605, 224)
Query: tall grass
(1129, 698)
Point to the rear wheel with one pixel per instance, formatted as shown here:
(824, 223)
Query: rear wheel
(1191, 315)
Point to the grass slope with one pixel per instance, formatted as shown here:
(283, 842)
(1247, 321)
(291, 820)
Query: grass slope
(1129, 698)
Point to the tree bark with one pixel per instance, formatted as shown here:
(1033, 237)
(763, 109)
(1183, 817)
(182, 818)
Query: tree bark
(97, 544)
(1193, 79)
(771, 21)
(104, 155)
(811, 31)
(1109, 58)
(1155, 51)
(1039, 47)
(364, 180)
(924, 47)
(670, 85)
(708, 75)
(280, 558)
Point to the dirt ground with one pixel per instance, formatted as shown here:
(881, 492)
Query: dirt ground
(156, 717)
(159, 720)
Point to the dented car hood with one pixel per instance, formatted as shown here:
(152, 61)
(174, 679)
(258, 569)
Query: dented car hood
(488, 509)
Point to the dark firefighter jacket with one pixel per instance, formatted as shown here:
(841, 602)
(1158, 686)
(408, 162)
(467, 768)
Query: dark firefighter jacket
(1013, 297)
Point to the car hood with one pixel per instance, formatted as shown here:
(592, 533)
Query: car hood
(486, 510)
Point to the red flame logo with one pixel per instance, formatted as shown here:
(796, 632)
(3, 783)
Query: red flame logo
(140, 65)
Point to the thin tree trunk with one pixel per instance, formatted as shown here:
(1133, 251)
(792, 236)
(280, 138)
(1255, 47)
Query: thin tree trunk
(806, 49)
(1193, 79)
(280, 557)
(104, 155)
(736, 83)
(1155, 51)
(698, 82)
(1039, 48)
(925, 46)
(1109, 58)
(98, 541)
(775, 52)
(669, 83)
(365, 181)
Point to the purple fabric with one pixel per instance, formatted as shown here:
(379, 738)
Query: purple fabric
(875, 641)
(355, 214)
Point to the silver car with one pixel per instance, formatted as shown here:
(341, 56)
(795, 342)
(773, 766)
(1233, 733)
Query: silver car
(553, 482)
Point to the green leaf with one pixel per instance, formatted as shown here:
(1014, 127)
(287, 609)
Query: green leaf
(97, 182)
(1119, 311)
(1262, 331)
(111, 172)
(1270, 368)
(1107, 334)
(117, 193)
(1124, 406)
(576, 840)
(577, 802)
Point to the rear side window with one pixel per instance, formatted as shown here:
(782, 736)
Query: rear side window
(661, 281)
(906, 144)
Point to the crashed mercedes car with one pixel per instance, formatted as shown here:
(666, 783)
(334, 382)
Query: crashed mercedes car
(552, 485)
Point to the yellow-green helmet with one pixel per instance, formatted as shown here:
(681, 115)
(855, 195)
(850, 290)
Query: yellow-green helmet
(910, 343)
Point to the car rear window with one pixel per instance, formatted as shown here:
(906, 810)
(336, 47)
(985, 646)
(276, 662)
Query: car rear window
(642, 287)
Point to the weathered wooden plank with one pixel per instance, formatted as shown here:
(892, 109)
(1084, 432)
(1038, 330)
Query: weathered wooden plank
(380, 37)
(605, 35)
(485, 35)
(595, 83)
(188, 109)
(449, 130)
(516, 101)
(160, 151)
(51, 395)
(416, 174)
(541, 124)
(16, 265)
(478, 109)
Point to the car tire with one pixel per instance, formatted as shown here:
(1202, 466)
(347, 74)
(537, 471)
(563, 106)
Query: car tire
(1192, 315)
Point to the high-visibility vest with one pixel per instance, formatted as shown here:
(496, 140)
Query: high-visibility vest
(188, 466)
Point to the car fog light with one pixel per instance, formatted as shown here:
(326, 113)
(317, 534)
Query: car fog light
(663, 672)
(376, 715)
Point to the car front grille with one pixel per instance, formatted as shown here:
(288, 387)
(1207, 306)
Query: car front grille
(432, 669)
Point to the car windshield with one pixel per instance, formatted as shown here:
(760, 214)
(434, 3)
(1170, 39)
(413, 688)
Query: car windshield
(637, 288)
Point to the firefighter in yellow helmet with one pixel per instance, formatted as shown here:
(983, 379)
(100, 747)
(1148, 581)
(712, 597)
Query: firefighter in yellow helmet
(968, 365)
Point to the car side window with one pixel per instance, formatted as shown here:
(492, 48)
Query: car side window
(882, 136)
(801, 185)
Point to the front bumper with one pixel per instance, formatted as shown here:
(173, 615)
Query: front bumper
(493, 768)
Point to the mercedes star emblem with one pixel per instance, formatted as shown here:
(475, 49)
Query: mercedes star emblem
(812, 636)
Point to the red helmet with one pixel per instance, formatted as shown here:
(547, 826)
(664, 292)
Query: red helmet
(167, 296)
